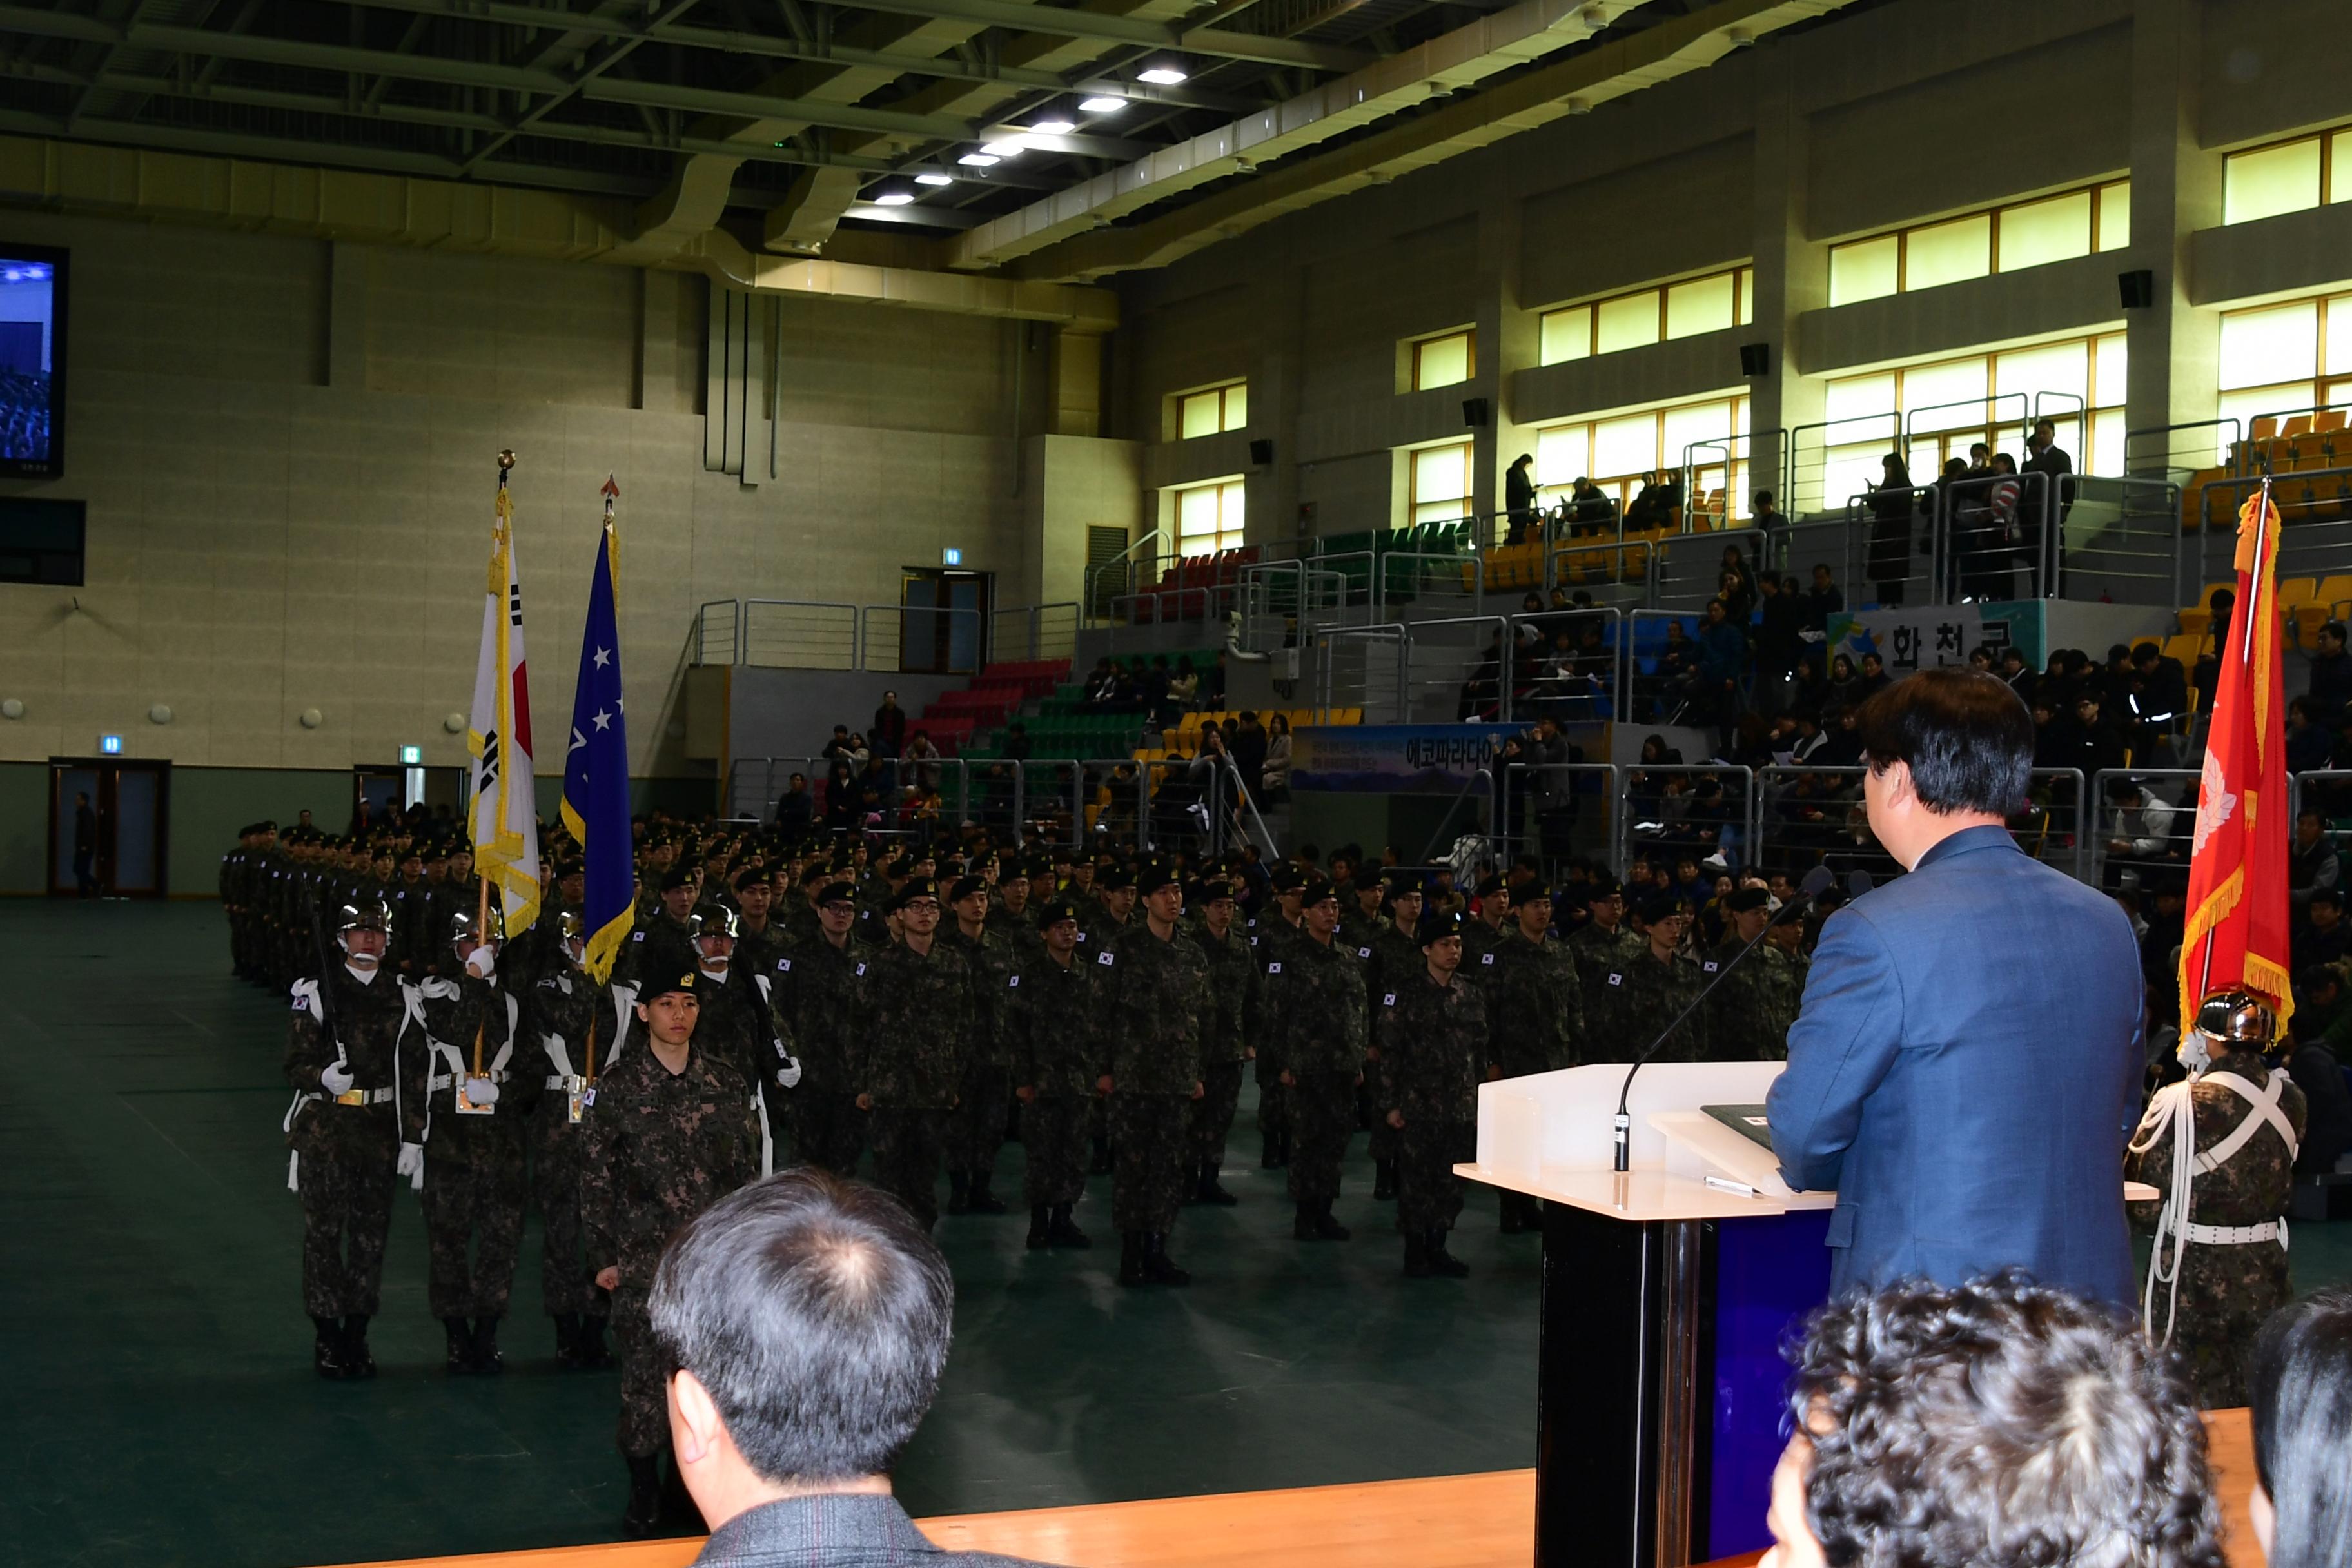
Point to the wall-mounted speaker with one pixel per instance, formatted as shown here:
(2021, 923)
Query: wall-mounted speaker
(2138, 289)
(1476, 411)
(1756, 358)
(1261, 453)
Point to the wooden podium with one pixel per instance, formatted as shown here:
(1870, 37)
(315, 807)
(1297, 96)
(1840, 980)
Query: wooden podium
(1665, 1301)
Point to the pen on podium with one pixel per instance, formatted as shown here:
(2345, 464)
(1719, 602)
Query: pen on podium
(1724, 1184)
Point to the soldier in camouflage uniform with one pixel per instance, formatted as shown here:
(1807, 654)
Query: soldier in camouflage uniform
(1053, 1026)
(1485, 930)
(977, 1130)
(912, 1026)
(357, 1118)
(1654, 989)
(2242, 1122)
(1395, 956)
(1433, 1034)
(1535, 1016)
(413, 900)
(1151, 1020)
(760, 939)
(1601, 945)
(576, 1029)
(1270, 935)
(472, 1196)
(1233, 979)
(816, 992)
(1315, 1031)
(739, 1025)
(669, 1134)
(1750, 1014)
(669, 926)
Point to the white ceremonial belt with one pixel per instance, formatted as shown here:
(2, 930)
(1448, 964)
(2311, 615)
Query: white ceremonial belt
(444, 1080)
(2233, 1235)
(361, 1097)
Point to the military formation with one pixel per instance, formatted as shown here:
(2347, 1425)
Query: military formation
(917, 1005)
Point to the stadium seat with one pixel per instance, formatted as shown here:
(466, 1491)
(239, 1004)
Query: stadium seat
(2199, 617)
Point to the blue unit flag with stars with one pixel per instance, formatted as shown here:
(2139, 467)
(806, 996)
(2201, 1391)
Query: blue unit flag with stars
(596, 773)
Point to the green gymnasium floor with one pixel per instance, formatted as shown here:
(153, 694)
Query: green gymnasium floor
(158, 1362)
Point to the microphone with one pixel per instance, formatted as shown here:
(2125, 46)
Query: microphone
(1818, 880)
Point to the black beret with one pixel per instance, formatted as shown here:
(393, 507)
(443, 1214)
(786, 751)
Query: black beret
(1488, 886)
(676, 876)
(1659, 907)
(1053, 911)
(1743, 899)
(915, 888)
(964, 887)
(1319, 891)
(1601, 891)
(749, 875)
(1115, 877)
(837, 892)
(1153, 878)
(1437, 928)
(1214, 888)
(1288, 877)
(654, 988)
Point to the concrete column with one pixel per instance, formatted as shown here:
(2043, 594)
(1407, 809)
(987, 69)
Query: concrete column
(1792, 277)
(2173, 346)
(661, 298)
(1508, 341)
(1273, 377)
(347, 314)
(1074, 385)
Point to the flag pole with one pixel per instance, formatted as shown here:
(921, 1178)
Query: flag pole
(482, 882)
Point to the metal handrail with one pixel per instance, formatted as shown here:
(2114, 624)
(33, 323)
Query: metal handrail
(745, 607)
(1124, 563)
(1505, 792)
(2229, 455)
(1459, 795)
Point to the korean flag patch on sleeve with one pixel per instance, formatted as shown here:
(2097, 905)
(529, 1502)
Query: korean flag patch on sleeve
(1389, 1000)
(783, 966)
(1274, 968)
(1013, 983)
(1363, 953)
(861, 969)
(1485, 958)
(1616, 980)
(1710, 966)
(1104, 957)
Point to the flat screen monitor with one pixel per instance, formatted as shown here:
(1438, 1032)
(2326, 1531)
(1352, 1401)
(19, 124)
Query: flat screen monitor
(32, 361)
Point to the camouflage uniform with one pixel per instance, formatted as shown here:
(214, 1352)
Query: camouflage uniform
(561, 1010)
(474, 1163)
(1233, 977)
(1535, 1006)
(412, 904)
(1271, 937)
(1153, 1023)
(815, 992)
(1054, 1032)
(2225, 1290)
(1316, 1032)
(756, 952)
(1750, 1014)
(1644, 997)
(739, 1026)
(976, 1132)
(1598, 953)
(1478, 941)
(658, 1149)
(1432, 1049)
(1395, 958)
(912, 1026)
(345, 1152)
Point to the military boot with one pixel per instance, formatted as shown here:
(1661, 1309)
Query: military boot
(461, 1345)
(645, 1511)
(1326, 1227)
(1416, 1256)
(983, 1201)
(1157, 1266)
(567, 1340)
(1063, 1231)
(1443, 1262)
(958, 1193)
(327, 1350)
(487, 1362)
(1209, 1191)
(1383, 1179)
(1041, 1227)
(1270, 1155)
(359, 1362)
(592, 1353)
(1132, 1270)
(1513, 1216)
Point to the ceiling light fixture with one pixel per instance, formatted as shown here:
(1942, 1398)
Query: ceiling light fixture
(1161, 76)
(978, 160)
(1010, 147)
(1102, 106)
(1052, 127)
(894, 198)
(935, 179)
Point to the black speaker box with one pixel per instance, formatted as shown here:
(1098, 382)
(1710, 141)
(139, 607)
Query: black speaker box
(1756, 358)
(1476, 411)
(2138, 289)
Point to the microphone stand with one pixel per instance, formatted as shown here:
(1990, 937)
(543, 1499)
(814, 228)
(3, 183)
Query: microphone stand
(1818, 880)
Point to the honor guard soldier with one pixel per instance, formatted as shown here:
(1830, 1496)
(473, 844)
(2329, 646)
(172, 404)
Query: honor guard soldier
(739, 1025)
(913, 1020)
(1151, 1026)
(1535, 1014)
(816, 993)
(478, 1102)
(1750, 1014)
(1315, 1031)
(358, 1107)
(1232, 982)
(668, 1134)
(2220, 1146)
(1432, 1044)
(1054, 1032)
(578, 1028)
(976, 1132)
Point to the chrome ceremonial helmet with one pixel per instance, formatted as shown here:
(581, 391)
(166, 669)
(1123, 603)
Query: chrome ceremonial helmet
(491, 933)
(572, 933)
(2238, 1017)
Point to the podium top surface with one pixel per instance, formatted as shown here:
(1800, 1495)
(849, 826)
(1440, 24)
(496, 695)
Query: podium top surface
(1645, 1194)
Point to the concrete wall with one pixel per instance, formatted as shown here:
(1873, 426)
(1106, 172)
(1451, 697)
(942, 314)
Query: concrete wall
(289, 452)
(1894, 115)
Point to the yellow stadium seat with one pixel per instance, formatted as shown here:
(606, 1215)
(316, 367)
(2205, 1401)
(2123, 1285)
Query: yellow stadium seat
(2297, 589)
(2183, 647)
(2199, 617)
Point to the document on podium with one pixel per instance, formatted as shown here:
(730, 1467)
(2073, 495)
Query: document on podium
(1747, 1121)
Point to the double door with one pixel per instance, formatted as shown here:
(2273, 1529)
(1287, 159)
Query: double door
(108, 827)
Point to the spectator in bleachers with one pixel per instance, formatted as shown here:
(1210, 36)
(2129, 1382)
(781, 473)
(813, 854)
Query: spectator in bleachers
(1248, 747)
(1653, 505)
(2223, 604)
(1780, 640)
(1808, 693)
(843, 812)
(858, 754)
(1995, 1423)
(2302, 1387)
(2321, 937)
(1722, 669)
(1590, 509)
(1519, 495)
(1960, 508)
(923, 758)
(2311, 859)
(2139, 828)
(1739, 595)
(2309, 745)
(836, 747)
(2018, 673)
(2159, 689)
(1873, 677)
(1845, 688)
(1482, 691)
(1099, 680)
(2322, 1022)
(1276, 771)
(795, 808)
(888, 732)
(1891, 510)
(1184, 685)
(2331, 675)
(1772, 528)
(1824, 600)
(1212, 685)
(1735, 562)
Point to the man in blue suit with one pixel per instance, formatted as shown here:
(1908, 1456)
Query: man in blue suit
(1967, 1065)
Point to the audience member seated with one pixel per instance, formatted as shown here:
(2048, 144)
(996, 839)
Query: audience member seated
(1995, 1424)
(808, 1319)
(2320, 1029)
(2139, 829)
(2331, 675)
(1590, 509)
(2311, 859)
(795, 808)
(2302, 1504)
(2320, 937)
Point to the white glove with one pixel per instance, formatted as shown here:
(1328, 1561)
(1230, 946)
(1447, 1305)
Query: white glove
(481, 1091)
(482, 962)
(334, 1078)
(411, 1164)
(788, 1074)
